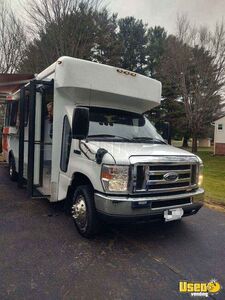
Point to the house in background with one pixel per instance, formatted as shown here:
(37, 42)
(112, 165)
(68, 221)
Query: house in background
(204, 142)
(219, 136)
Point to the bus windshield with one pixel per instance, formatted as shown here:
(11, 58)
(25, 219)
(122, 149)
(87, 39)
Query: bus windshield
(107, 123)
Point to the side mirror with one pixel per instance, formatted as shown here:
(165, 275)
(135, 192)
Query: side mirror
(166, 132)
(164, 129)
(80, 123)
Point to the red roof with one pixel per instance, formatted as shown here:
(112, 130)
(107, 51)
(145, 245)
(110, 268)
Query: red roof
(9, 83)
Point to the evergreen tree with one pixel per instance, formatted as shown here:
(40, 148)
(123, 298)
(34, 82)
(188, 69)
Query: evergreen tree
(156, 38)
(108, 47)
(133, 37)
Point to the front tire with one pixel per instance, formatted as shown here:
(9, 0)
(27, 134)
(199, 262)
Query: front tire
(12, 169)
(83, 211)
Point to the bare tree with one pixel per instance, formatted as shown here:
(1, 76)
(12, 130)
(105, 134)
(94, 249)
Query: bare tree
(195, 62)
(12, 39)
(77, 28)
(69, 22)
(55, 28)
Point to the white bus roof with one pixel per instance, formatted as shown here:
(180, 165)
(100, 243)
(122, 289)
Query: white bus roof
(94, 84)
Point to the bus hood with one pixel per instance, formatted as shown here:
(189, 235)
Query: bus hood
(122, 152)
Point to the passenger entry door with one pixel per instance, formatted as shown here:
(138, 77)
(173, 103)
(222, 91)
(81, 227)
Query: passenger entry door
(42, 149)
(43, 145)
(39, 140)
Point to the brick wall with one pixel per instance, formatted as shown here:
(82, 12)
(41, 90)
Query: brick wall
(220, 148)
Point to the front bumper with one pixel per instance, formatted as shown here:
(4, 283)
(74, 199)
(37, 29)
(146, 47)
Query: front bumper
(147, 206)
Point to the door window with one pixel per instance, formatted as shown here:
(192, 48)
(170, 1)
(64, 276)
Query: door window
(66, 144)
(11, 113)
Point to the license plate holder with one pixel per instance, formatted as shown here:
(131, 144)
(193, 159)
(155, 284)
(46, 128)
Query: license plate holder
(173, 214)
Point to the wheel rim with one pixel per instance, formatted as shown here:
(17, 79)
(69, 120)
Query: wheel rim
(10, 170)
(79, 212)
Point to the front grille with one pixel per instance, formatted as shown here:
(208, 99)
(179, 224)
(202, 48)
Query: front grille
(165, 177)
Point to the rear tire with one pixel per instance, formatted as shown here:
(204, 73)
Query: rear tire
(12, 169)
(83, 211)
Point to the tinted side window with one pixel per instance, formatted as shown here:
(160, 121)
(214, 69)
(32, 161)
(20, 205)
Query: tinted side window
(66, 144)
(26, 110)
(11, 113)
(7, 114)
(14, 111)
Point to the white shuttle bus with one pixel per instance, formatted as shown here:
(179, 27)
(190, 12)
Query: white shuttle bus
(77, 132)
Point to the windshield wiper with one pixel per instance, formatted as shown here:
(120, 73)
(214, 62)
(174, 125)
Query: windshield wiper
(145, 138)
(108, 135)
(142, 138)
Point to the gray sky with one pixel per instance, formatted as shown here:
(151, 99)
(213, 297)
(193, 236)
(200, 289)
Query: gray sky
(164, 12)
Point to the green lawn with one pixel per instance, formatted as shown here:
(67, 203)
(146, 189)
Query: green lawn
(214, 176)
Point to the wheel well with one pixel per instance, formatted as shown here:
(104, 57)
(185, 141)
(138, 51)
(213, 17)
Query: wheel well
(77, 180)
(80, 179)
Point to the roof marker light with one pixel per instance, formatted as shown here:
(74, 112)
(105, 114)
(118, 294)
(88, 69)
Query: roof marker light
(125, 72)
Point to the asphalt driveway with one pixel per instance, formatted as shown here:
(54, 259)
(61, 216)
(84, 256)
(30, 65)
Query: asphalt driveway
(43, 257)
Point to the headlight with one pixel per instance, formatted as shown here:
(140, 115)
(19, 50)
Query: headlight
(200, 175)
(115, 178)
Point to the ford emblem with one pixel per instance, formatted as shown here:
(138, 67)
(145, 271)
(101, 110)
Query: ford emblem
(171, 176)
